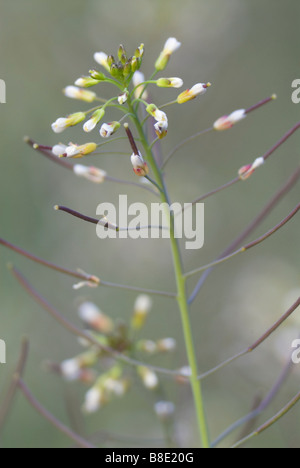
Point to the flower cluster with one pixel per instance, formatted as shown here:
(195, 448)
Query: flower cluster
(124, 73)
(115, 381)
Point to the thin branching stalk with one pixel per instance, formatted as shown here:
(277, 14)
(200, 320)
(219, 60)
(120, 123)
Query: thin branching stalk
(288, 185)
(265, 403)
(91, 280)
(257, 343)
(82, 443)
(248, 246)
(270, 422)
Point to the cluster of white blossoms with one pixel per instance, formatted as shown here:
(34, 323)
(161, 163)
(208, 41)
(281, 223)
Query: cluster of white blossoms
(115, 381)
(123, 72)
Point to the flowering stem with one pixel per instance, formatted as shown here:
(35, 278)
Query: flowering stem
(181, 289)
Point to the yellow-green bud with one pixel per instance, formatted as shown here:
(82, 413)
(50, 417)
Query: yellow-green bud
(96, 75)
(86, 82)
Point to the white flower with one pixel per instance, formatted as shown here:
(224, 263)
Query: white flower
(149, 378)
(60, 125)
(70, 369)
(73, 150)
(143, 304)
(64, 122)
(108, 129)
(227, 121)
(137, 79)
(122, 98)
(192, 93)
(93, 400)
(159, 115)
(161, 128)
(90, 124)
(166, 344)
(164, 409)
(169, 82)
(59, 149)
(91, 173)
(147, 346)
(171, 46)
(81, 94)
(88, 312)
(101, 58)
(117, 387)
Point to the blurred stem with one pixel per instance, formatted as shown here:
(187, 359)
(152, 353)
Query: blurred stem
(181, 288)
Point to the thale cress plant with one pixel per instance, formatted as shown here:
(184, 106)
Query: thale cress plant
(142, 125)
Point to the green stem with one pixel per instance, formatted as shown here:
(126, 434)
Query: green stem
(181, 290)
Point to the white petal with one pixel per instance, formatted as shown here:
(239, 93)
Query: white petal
(89, 312)
(171, 45)
(237, 115)
(59, 125)
(89, 125)
(58, 150)
(101, 58)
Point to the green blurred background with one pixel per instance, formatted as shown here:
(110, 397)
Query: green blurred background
(248, 50)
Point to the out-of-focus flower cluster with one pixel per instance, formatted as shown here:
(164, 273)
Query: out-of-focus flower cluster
(116, 378)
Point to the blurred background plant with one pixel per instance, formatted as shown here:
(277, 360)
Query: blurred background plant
(248, 50)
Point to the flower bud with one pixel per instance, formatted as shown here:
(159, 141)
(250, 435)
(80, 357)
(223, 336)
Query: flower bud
(149, 378)
(227, 121)
(135, 64)
(147, 346)
(117, 387)
(75, 151)
(127, 68)
(91, 173)
(96, 75)
(159, 115)
(139, 51)
(70, 369)
(64, 122)
(140, 167)
(192, 93)
(102, 59)
(86, 82)
(81, 94)
(137, 79)
(184, 374)
(121, 53)
(109, 129)
(142, 307)
(90, 124)
(164, 410)
(166, 345)
(94, 399)
(122, 98)
(246, 171)
(91, 315)
(170, 46)
(169, 82)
